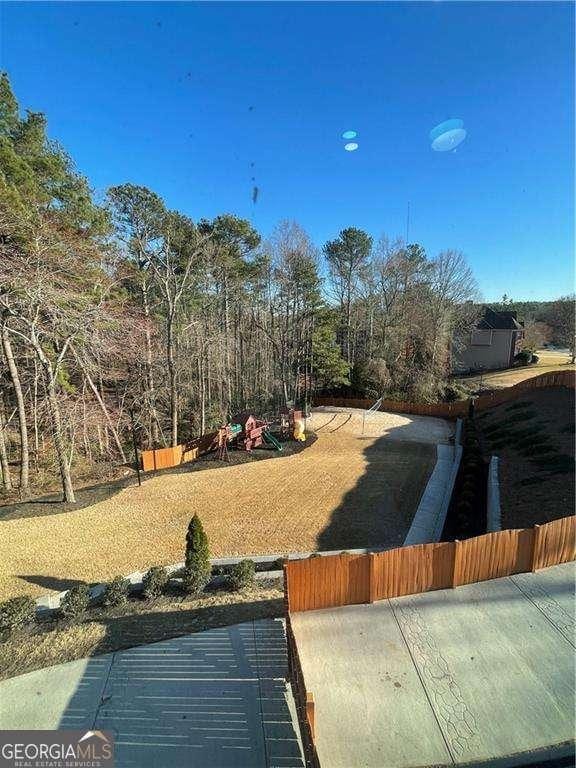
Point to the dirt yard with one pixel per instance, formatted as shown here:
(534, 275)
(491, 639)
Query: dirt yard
(346, 490)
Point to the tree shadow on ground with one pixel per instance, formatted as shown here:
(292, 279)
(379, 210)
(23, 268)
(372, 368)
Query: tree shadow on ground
(379, 509)
(52, 504)
(50, 582)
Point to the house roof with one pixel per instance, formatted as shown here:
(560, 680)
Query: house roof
(499, 321)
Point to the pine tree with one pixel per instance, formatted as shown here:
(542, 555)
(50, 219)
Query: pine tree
(9, 119)
(197, 562)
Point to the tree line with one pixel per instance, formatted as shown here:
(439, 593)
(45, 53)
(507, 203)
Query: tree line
(124, 311)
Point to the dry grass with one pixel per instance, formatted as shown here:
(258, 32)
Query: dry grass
(342, 491)
(137, 623)
(548, 361)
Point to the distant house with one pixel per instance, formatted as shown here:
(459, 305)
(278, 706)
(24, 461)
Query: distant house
(493, 343)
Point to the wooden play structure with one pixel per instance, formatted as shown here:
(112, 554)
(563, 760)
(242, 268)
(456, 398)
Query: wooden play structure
(245, 432)
(292, 424)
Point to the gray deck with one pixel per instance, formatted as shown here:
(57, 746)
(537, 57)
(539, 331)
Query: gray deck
(215, 698)
(456, 676)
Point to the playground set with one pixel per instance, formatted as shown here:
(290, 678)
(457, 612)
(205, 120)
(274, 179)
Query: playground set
(243, 433)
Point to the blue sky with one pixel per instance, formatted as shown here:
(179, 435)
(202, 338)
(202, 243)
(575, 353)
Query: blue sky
(193, 100)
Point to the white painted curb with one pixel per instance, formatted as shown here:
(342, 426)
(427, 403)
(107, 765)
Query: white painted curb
(493, 512)
(431, 514)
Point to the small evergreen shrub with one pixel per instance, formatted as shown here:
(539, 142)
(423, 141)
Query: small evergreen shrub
(75, 602)
(15, 614)
(116, 592)
(241, 575)
(197, 561)
(154, 582)
(524, 357)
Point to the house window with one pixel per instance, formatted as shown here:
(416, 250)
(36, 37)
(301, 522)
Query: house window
(481, 338)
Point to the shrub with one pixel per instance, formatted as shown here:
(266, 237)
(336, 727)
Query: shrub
(454, 391)
(154, 582)
(116, 591)
(241, 575)
(15, 614)
(75, 602)
(524, 357)
(197, 560)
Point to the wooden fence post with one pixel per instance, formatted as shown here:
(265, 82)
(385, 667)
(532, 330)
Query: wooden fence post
(536, 550)
(310, 712)
(371, 577)
(456, 570)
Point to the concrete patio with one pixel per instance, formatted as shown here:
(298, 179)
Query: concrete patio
(216, 698)
(482, 673)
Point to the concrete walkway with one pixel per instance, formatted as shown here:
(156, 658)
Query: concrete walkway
(216, 698)
(483, 672)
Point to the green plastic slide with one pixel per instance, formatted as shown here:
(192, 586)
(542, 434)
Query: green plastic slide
(271, 440)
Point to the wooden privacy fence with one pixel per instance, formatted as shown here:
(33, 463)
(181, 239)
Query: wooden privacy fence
(334, 580)
(162, 458)
(460, 407)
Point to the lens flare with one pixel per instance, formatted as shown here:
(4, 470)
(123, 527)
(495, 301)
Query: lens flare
(447, 135)
(351, 146)
(349, 135)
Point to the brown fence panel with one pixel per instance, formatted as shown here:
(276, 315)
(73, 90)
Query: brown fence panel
(554, 543)
(335, 580)
(493, 555)
(409, 570)
(324, 582)
(439, 410)
(162, 458)
(460, 407)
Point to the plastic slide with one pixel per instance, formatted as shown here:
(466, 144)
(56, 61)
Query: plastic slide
(271, 440)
